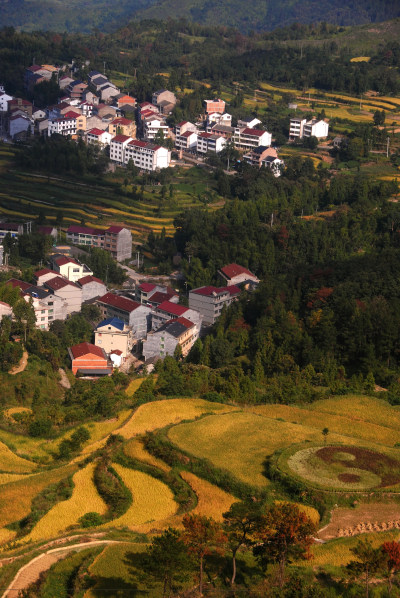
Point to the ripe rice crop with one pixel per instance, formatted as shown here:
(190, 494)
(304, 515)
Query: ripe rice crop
(84, 498)
(10, 412)
(341, 424)
(152, 500)
(134, 448)
(212, 501)
(6, 535)
(12, 463)
(8, 478)
(133, 386)
(309, 511)
(16, 497)
(99, 430)
(361, 408)
(360, 59)
(158, 414)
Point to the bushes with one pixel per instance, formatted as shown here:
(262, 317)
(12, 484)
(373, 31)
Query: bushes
(112, 489)
(73, 444)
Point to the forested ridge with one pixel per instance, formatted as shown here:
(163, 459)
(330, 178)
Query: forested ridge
(256, 15)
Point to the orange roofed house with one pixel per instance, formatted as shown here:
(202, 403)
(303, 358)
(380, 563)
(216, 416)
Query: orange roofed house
(89, 360)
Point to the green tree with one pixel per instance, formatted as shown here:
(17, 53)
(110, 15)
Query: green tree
(369, 562)
(167, 560)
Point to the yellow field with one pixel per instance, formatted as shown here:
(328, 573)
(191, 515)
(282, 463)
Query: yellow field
(84, 498)
(8, 478)
(250, 438)
(134, 448)
(309, 511)
(6, 535)
(152, 500)
(337, 552)
(158, 414)
(212, 501)
(10, 412)
(344, 425)
(10, 462)
(361, 409)
(133, 386)
(360, 59)
(99, 430)
(16, 498)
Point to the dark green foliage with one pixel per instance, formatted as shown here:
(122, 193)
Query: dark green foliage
(101, 399)
(104, 266)
(91, 519)
(43, 502)
(112, 489)
(40, 428)
(73, 445)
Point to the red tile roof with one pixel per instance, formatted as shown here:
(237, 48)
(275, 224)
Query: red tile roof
(208, 291)
(61, 261)
(121, 121)
(19, 283)
(71, 114)
(232, 270)
(86, 279)
(254, 132)
(85, 230)
(184, 122)
(114, 229)
(185, 322)
(96, 132)
(147, 286)
(58, 283)
(188, 134)
(44, 271)
(159, 297)
(120, 138)
(172, 308)
(119, 302)
(116, 352)
(86, 349)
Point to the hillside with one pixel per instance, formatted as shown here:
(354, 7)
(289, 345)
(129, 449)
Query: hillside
(258, 15)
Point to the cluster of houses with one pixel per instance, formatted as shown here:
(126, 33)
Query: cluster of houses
(98, 112)
(117, 240)
(148, 321)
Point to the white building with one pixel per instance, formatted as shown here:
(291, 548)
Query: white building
(147, 156)
(20, 123)
(98, 136)
(247, 138)
(117, 148)
(4, 99)
(62, 126)
(152, 126)
(301, 127)
(216, 118)
(210, 301)
(187, 141)
(206, 142)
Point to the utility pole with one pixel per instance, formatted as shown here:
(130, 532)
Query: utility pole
(272, 219)
(387, 147)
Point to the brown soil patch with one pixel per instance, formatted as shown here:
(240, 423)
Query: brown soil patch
(349, 477)
(386, 468)
(344, 518)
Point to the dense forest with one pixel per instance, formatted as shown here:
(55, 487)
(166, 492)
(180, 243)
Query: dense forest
(256, 15)
(190, 52)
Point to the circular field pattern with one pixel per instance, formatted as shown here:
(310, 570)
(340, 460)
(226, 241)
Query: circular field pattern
(345, 467)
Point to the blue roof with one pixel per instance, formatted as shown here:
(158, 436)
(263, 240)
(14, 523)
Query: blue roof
(112, 322)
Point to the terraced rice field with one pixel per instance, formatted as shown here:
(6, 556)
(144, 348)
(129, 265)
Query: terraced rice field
(84, 498)
(212, 501)
(133, 386)
(134, 448)
(10, 462)
(152, 500)
(159, 414)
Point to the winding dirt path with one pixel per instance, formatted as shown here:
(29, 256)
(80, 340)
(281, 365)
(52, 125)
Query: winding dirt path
(21, 366)
(30, 572)
(64, 379)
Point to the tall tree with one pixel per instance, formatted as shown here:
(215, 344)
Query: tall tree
(285, 532)
(391, 551)
(203, 536)
(369, 561)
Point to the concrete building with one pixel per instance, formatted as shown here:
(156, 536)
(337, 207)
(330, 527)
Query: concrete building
(5, 310)
(146, 156)
(301, 127)
(134, 314)
(215, 105)
(20, 125)
(122, 126)
(99, 136)
(168, 310)
(69, 268)
(186, 141)
(164, 341)
(89, 360)
(207, 142)
(113, 334)
(247, 138)
(163, 96)
(85, 235)
(234, 274)
(145, 292)
(117, 148)
(209, 301)
(67, 290)
(265, 156)
(10, 228)
(118, 242)
(91, 287)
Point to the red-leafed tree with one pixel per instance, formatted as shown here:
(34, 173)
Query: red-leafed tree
(203, 536)
(391, 550)
(285, 533)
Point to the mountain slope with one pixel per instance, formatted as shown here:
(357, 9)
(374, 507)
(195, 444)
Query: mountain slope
(85, 15)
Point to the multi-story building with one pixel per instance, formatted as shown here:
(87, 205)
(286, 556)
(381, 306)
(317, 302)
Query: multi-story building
(113, 334)
(153, 125)
(225, 131)
(234, 274)
(89, 360)
(117, 148)
(209, 301)
(207, 142)
(69, 268)
(185, 126)
(65, 125)
(147, 156)
(170, 311)
(265, 156)
(301, 127)
(247, 138)
(118, 241)
(162, 342)
(134, 314)
(145, 292)
(92, 287)
(186, 141)
(10, 228)
(71, 292)
(164, 100)
(122, 126)
(99, 136)
(215, 105)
